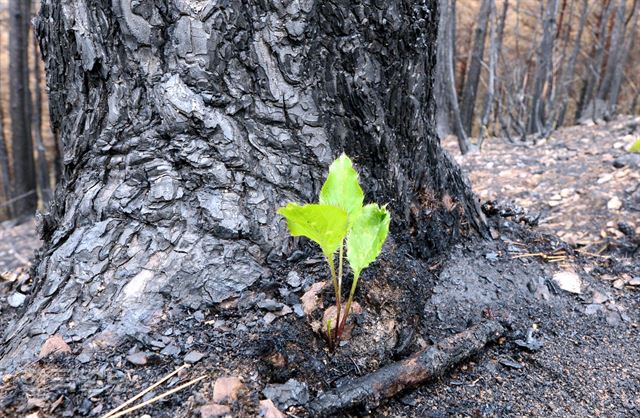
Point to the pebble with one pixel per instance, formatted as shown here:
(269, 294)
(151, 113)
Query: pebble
(139, 359)
(288, 394)
(293, 279)
(16, 299)
(170, 350)
(193, 357)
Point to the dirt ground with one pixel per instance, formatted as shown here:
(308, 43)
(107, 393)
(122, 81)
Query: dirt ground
(581, 359)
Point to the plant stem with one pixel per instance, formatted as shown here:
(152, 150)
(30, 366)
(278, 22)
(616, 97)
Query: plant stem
(339, 292)
(341, 326)
(336, 289)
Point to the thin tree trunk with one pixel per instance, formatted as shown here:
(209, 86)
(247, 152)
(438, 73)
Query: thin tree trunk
(4, 163)
(616, 82)
(567, 80)
(42, 169)
(185, 132)
(495, 45)
(447, 78)
(23, 182)
(544, 70)
(594, 64)
(614, 52)
(470, 90)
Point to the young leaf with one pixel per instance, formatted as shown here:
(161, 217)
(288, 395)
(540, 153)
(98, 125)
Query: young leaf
(325, 225)
(635, 147)
(368, 233)
(341, 187)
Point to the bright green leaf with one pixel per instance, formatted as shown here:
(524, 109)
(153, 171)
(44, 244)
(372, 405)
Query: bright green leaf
(324, 224)
(368, 233)
(635, 147)
(341, 187)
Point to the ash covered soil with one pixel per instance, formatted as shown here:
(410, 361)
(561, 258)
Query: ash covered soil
(568, 352)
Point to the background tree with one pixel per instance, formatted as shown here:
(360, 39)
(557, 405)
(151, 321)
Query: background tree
(23, 180)
(186, 126)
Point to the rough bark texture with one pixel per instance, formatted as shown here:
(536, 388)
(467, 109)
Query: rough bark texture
(185, 125)
(5, 208)
(23, 179)
(390, 380)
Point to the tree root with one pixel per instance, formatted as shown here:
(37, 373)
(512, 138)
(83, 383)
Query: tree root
(369, 390)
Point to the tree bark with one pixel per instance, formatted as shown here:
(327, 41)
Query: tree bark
(23, 181)
(185, 126)
(470, 89)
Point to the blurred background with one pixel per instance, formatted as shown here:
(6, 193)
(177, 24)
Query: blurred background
(514, 69)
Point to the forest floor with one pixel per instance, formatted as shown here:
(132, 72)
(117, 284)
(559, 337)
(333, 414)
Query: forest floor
(579, 297)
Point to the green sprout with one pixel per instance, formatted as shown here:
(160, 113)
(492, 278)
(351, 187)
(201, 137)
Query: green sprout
(635, 147)
(340, 216)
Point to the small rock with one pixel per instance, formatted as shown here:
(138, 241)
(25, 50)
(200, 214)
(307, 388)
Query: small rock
(84, 357)
(16, 299)
(509, 362)
(193, 357)
(199, 316)
(492, 256)
(54, 344)
(614, 203)
(310, 298)
(214, 410)
(170, 350)
(569, 281)
(139, 359)
(293, 279)
(286, 310)
(269, 410)
(226, 389)
(288, 394)
(297, 309)
(269, 305)
(269, 318)
(634, 282)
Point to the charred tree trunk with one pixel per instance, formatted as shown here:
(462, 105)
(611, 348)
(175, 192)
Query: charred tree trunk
(618, 73)
(446, 95)
(4, 164)
(470, 89)
(614, 55)
(23, 179)
(185, 126)
(567, 80)
(544, 70)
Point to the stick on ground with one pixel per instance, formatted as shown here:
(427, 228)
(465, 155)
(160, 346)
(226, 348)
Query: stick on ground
(368, 390)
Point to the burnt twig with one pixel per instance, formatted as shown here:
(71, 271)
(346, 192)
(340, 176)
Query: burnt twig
(368, 390)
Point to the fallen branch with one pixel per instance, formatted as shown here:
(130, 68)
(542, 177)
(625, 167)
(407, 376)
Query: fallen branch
(369, 390)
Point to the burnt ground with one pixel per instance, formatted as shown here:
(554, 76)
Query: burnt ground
(587, 364)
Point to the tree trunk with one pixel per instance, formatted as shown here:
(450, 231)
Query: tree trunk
(23, 181)
(623, 57)
(470, 89)
(42, 169)
(614, 52)
(544, 70)
(5, 207)
(185, 126)
(567, 80)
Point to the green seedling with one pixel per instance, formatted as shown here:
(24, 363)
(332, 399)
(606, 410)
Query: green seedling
(635, 147)
(338, 218)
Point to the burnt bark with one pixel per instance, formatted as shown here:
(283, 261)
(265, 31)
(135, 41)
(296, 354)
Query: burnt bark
(186, 125)
(23, 181)
(470, 90)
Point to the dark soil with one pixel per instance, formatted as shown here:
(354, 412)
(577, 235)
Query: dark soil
(587, 365)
